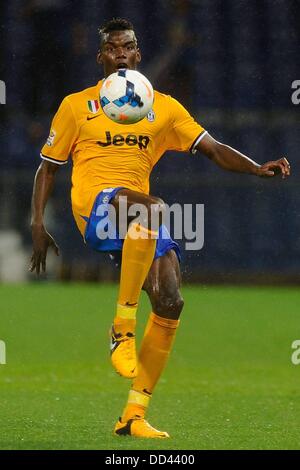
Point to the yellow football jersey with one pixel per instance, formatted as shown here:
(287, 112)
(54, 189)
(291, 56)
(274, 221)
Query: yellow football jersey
(106, 154)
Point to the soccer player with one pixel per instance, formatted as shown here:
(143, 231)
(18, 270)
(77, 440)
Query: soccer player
(112, 160)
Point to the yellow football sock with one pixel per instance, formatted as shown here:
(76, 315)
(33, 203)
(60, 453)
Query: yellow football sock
(136, 405)
(155, 349)
(137, 256)
(124, 321)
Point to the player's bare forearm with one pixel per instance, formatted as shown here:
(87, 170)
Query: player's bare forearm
(232, 160)
(42, 188)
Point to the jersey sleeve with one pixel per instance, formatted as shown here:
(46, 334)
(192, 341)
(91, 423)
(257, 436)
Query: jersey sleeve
(185, 133)
(62, 135)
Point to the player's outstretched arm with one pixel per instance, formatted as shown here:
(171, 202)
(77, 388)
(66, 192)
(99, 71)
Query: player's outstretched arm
(232, 160)
(42, 240)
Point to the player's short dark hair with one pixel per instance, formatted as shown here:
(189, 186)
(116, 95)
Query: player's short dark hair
(116, 24)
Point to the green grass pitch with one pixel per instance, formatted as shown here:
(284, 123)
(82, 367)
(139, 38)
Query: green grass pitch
(229, 384)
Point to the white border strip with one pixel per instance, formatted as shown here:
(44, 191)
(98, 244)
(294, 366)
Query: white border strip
(193, 150)
(52, 161)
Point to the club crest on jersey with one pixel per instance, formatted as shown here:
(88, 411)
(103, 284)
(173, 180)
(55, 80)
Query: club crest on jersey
(93, 106)
(151, 116)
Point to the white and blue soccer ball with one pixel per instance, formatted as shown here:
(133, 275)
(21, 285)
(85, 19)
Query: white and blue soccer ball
(126, 96)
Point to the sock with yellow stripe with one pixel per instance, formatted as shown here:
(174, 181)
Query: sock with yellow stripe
(125, 319)
(155, 349)
(136, 405)
(137, 256)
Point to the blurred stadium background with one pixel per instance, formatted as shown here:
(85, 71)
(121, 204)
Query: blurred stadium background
(231, 63)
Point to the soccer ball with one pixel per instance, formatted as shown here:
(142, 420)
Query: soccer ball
(126, 96)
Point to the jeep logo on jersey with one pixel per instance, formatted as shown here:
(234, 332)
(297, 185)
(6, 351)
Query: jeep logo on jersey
(141, 140)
